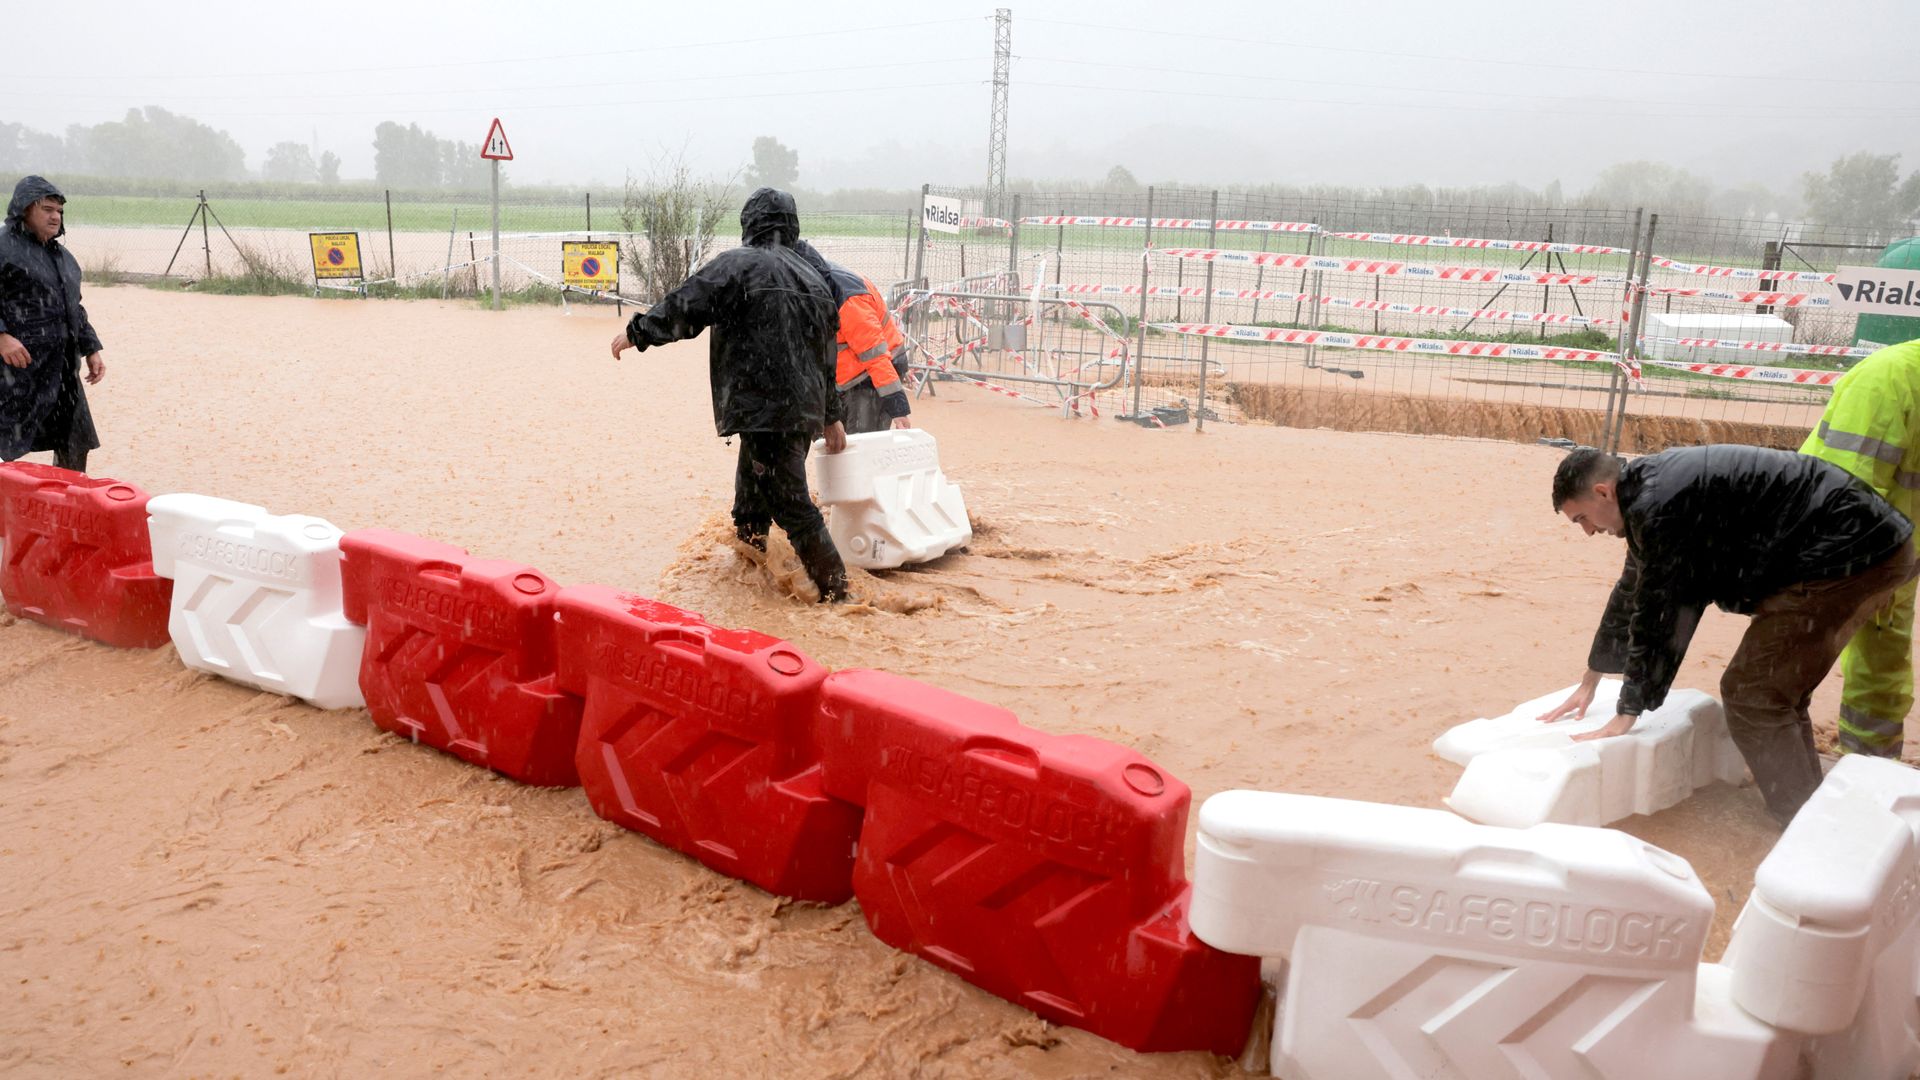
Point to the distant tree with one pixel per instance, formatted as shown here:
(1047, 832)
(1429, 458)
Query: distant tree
(412, 157)
(1863, 190)
(329, 169)
(1651, 184)
(1552, 194)
(153, 143)
(773, 164)
(290, 161)
(1119, 179)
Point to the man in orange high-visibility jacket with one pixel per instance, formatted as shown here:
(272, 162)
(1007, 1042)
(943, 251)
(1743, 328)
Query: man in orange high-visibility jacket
(872, 395)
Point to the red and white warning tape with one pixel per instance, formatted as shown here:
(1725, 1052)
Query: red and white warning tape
(1174, 223)
(1800, 376)
(1380, 343)
(1760, 346)
(1470, 242)
(1385, 267)
(1773, 299)
(1389, 306)
(1741, 272)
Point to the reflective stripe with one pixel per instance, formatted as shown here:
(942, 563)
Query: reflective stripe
(1856, 744)
(1908, 480)
(853, 382)
(873, 353)
(1853, 720)
(1860, 444)
(892, 388)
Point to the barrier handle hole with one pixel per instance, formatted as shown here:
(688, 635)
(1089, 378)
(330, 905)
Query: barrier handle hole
(1020, 757)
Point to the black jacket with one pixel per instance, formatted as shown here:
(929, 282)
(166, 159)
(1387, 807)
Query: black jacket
(774, 322)
(42, 406)
(1726, 525)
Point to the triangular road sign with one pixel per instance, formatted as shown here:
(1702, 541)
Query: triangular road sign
(496, 148)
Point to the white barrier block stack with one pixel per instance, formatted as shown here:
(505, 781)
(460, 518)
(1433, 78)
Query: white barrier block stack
(256, 597)
(1419, 944)
(1829, 942)
(890, 503)
(1521, 772)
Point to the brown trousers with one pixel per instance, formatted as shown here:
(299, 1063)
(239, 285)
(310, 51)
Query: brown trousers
(1794, 638)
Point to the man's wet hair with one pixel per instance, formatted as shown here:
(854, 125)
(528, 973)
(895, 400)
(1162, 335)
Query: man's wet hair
(1582, 468)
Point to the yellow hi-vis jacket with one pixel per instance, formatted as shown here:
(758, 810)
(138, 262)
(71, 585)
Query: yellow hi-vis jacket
(1871, 428)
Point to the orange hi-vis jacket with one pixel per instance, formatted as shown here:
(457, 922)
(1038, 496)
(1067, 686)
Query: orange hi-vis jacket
(868, 340)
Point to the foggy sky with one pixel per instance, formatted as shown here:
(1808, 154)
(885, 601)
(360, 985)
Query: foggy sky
(893, 94)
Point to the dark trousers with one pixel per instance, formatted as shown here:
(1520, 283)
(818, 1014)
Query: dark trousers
(861, 411)
(769, 487)
(1791, 644)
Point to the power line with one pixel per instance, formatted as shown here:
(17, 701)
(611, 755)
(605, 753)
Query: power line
(582, 106)
(62, 96)
(509, 59)
(1772, 112)
(1162, 32)
(1743, 108)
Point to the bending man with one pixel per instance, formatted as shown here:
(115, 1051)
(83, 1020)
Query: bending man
(1871, 428)
(771, 367)
(1794, 542)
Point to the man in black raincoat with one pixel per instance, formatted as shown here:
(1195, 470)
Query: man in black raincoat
(44, 333)
(1799, 544)
(771, 367)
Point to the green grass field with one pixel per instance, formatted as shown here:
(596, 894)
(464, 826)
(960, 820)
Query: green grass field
(326, 215)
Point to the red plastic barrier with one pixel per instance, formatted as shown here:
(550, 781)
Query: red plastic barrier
(701, 737)
(460, 653)
(1047, 869)
(78, 556)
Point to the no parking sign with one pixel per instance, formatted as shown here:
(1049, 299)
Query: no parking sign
(335, 255)
(590, 264)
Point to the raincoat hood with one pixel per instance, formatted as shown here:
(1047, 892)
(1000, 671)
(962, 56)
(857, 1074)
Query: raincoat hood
(31, 189)
(769, 216)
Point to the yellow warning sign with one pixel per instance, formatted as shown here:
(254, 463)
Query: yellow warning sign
(591, 265)
(335, 255)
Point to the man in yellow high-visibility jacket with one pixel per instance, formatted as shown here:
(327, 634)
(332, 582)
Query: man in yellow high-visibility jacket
(1871, 428)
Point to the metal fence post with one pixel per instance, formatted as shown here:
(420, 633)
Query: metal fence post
(1206, 310)
(906, 248)
(1617, 390)
(1313, 301)
(1644, 277)
(920, 241)
(1260, 278)
(393, 265)
(1013, 242)
(206, 243)
(1140, 329)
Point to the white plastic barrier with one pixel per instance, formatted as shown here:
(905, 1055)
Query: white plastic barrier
(889, 502)
(256, 597)
(1419, 944)
(1828, 943)
(1521, 772)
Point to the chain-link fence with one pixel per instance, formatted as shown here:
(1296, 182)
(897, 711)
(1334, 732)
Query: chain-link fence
(1506, 322)
(427, 243)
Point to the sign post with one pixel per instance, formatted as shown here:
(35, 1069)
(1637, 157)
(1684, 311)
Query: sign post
(496, 150)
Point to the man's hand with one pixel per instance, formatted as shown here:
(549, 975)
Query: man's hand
(902, 423)
(621, 344)
(1619, 725)
(96, 368)
(836, 437)
(1576, 704)
(14, 353)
